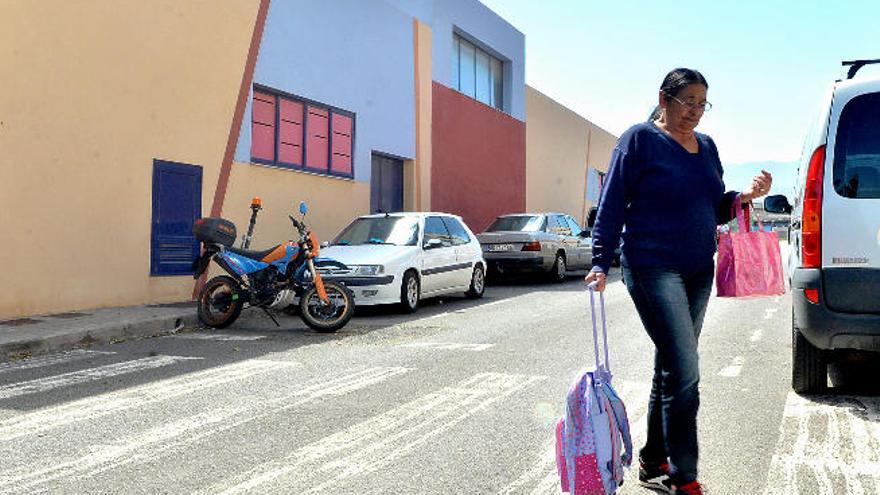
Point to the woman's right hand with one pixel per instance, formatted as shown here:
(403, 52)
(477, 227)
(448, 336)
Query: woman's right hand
(597, 277)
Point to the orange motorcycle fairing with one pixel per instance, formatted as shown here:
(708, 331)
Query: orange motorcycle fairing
(316, 246)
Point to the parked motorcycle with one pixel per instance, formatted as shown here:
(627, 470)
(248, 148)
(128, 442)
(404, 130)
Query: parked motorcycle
(271, 279)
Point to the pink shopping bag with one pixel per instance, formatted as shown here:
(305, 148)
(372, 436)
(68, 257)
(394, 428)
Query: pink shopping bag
(749, 263)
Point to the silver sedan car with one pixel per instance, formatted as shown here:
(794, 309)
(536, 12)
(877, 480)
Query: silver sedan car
(544, 243)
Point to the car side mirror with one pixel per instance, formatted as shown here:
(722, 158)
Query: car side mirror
(433, 244)
(777, 203)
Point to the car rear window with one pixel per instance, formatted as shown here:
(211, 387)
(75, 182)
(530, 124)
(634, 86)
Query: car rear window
(524, 223)
(857, 149)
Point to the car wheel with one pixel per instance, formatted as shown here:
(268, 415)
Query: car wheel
(809, 364)
(410, 292)
(478, 283)
(557, 273)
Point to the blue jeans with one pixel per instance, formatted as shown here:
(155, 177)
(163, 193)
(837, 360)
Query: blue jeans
(672, 304)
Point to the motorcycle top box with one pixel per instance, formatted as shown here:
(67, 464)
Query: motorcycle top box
(215, 230)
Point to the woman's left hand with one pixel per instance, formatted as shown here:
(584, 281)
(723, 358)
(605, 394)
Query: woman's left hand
(759, 187)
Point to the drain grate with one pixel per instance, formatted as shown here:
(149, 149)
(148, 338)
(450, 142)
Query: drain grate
(19, 322)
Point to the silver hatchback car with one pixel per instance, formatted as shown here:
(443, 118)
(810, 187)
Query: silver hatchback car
(546, 243)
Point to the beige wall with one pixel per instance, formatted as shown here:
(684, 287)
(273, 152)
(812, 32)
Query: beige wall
(559, 146)
(333, 202)
(420, 183)
(93, 91)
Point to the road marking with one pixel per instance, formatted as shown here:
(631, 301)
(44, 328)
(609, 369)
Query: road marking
(768, 312)
(77, 377)
(542, 476)
(40, 362)
(153, 442)
(379, 441)
(734, 369)
(449, 346)
(136, 397)
(218, 337)
(812, 454)
(756, 335)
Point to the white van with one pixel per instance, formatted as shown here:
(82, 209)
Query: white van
(835, 231)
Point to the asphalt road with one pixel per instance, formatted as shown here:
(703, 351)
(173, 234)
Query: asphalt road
(461, 397)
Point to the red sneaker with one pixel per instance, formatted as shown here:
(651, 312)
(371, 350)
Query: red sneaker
(692, 488)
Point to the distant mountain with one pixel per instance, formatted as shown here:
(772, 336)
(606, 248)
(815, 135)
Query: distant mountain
(737, 176)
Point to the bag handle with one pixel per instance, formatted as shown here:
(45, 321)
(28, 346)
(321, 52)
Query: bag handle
(592, 290)
(745, 224)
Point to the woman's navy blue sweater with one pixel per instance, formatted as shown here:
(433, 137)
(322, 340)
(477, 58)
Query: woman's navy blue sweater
(662, 201)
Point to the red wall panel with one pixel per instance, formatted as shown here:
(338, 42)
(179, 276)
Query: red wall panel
(478, 161)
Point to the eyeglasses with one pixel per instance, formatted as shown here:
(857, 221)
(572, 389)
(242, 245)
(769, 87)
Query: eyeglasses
(695, 107)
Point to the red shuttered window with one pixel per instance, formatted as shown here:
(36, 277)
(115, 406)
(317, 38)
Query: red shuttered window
(318, 127)
(340, 161)
(291, 132)
(263, 127)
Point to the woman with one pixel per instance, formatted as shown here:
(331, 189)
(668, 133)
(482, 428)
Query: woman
(664, 185)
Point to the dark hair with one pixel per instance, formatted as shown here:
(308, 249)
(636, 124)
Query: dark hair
(674, 82)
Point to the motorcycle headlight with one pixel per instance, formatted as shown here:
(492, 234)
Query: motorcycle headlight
(369, 270)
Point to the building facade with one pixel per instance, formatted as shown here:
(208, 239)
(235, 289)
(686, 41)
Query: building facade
(121, 127)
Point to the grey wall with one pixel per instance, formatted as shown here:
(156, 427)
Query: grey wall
(353, 54)
(478, 23)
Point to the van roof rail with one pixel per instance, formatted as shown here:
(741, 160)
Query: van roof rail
(855, 65)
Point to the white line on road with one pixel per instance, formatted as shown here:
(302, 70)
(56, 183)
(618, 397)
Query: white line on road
(812, 455)
(77, 377)
(65, 357)
(151, 443)
(379, 441)
(218, 337)
(733, 370)
(449, 346)
(756, 335)
(139, 396)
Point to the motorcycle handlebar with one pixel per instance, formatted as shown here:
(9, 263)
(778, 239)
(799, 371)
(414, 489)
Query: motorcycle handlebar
(296, 223)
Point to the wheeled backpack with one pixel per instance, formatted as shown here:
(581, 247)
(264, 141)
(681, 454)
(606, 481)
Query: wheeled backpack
(593, 442)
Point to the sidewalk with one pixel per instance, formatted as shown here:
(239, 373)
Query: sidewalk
(23, 337)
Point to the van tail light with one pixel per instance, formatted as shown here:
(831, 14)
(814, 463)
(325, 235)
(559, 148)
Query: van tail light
(532, 246)
(811, 225)
(812, 295)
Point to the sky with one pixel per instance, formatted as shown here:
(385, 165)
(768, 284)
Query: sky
(768, 63)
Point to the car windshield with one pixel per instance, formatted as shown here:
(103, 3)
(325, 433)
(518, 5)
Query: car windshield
(525, 223)
(398, 231)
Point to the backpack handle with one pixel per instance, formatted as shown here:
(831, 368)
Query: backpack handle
(592, 290)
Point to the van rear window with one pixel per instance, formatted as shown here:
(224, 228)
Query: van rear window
(857, 149)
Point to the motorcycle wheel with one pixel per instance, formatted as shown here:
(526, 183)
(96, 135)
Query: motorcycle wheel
(220, 302)
(326, 319)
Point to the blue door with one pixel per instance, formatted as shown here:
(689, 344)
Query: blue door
(177, 204)
(386, 184)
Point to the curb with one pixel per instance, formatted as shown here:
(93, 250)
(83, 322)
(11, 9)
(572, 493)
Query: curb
(103, 333)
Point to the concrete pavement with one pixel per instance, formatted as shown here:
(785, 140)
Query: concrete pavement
(23, 337)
